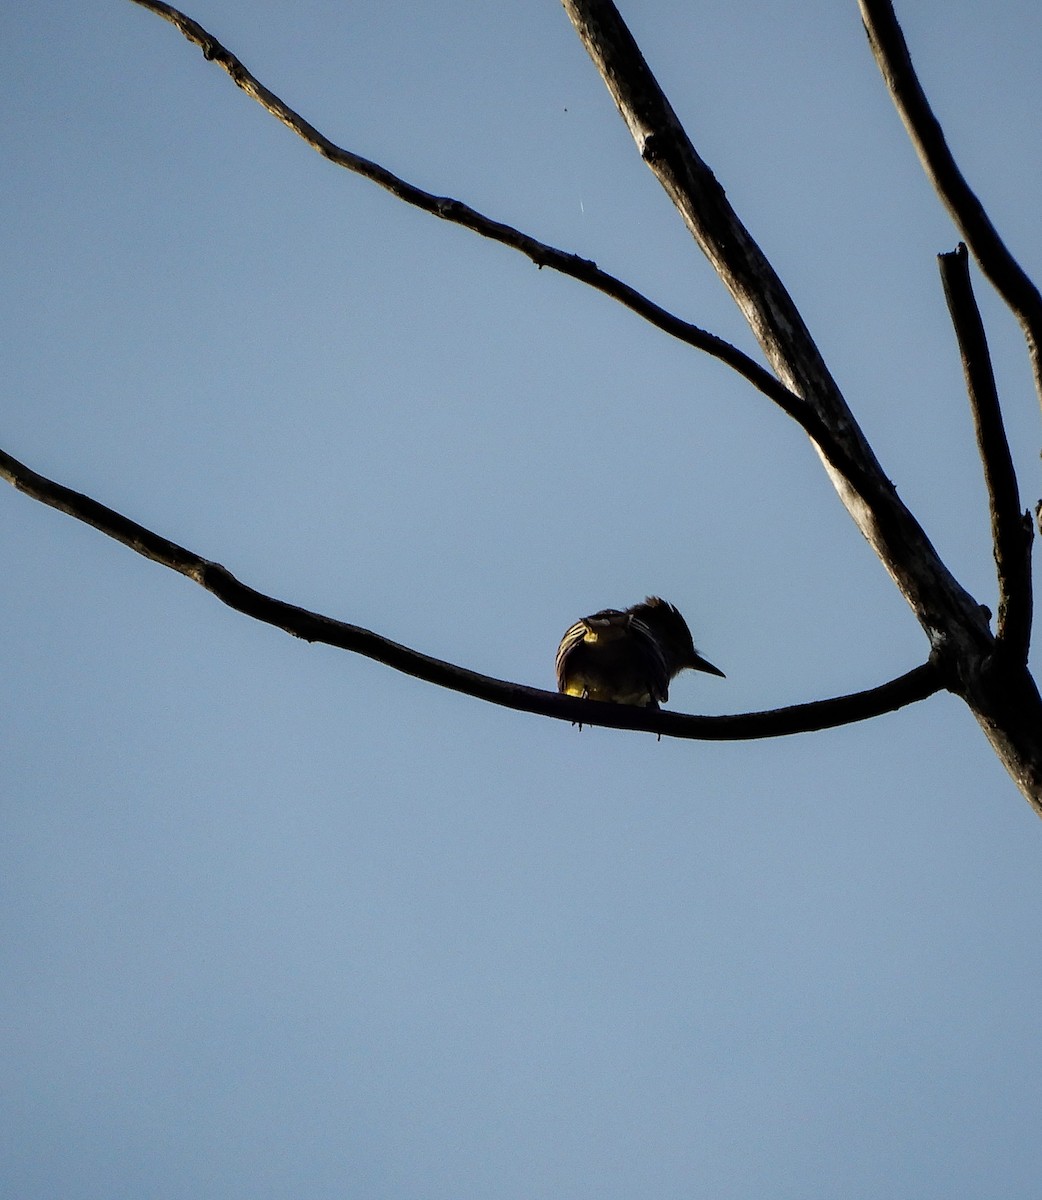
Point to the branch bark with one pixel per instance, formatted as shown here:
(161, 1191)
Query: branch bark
(998, 264)
(314, 627)
(1011, 530)
(946, 611)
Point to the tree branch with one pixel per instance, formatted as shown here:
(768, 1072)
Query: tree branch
(1004, 272)
(1000, 692)
(314, 627)
(542, 254)
(948, 614)
(1011, 531)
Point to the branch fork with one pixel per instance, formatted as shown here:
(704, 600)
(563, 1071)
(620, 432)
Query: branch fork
(988, 671)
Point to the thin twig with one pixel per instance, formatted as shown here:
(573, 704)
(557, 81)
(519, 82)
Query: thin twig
(542, 254)
(1006, 275)
(1011, 530)
(314, 627)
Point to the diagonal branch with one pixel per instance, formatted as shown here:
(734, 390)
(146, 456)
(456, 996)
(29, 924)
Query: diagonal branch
(314, 627)
(1000, 691)
(542, 254)
(947, 613)
(1011, 531)
(998, 264)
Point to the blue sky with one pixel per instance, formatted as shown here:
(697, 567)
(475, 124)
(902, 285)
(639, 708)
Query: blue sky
(279, 922)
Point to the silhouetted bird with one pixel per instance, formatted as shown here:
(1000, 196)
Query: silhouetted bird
(628, 656)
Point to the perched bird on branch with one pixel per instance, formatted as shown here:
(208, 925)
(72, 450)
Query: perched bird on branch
(628, 656)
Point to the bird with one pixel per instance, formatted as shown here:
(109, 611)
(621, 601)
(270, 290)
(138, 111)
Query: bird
(628, 656)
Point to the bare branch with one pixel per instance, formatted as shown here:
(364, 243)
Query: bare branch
(947, 613)
(1006, 275)
(1000, 692)
(917, 684)
(542, 254)
(1011, 530)
(314, 627)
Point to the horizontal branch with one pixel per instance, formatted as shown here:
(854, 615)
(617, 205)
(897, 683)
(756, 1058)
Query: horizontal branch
(543, 255)
(1011, 531)
(314, 627)
(1006, 275)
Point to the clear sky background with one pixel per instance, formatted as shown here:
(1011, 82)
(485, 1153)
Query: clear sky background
(280, 922)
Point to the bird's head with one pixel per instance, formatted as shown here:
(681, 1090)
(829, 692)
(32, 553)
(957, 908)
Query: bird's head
(671, 631)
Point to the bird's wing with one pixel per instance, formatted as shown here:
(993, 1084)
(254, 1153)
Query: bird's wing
(658, 668)
(572, 638)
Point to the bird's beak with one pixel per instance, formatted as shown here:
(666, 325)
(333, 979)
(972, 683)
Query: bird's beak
(698, 663)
